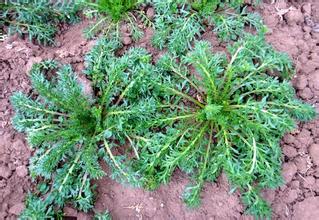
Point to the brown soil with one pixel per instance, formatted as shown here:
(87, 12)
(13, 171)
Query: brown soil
(295, 33)
(292, 26)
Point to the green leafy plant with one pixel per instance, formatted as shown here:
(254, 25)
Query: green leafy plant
(37, 19)
(179, 23)
(111, 14)
(72, 131)
(228, 116)
(231, 26)
(200, 112)
(211, 5)
(36, 209)
(175, 25)
(201, 5)
(115, 9)
(102, 216)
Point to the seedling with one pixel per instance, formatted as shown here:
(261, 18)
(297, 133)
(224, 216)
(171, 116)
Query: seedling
(37, 19)
(102, 216)
(72, 131)
(110, 15)
(227, 117)
(115, 9)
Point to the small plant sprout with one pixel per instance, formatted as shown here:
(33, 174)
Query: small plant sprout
(227, 116)
(111, 14)
(102, 216)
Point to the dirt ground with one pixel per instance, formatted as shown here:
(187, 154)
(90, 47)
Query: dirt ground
(292, 29)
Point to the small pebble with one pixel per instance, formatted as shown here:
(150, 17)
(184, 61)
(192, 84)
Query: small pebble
(16, 209)
(5, 172)
(150, 13)
(22, 171)
(127, 41)
(306, 8)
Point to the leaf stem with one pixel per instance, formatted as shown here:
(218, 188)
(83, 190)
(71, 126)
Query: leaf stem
(212, 83)
(184, 95)
(229, 72)
(253, 146)
(178, 117)
(45, 111)
(188, 80)
(132, 145)
(194, 141)
(106, 145)
(206, 155)
(253, 165)
(70, 170)
(97, 24)
(120, 112)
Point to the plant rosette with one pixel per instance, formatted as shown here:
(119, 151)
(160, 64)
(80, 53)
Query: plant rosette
(223, 115)
(71, 131)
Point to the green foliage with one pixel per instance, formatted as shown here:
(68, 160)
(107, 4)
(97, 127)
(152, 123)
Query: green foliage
(232, 26)
(71, 131)
(102, 216)
(110, 15)
(204, 5)
(194, 110)
(209, 6)
(37, 209)
(114, 8)
(228, 117)
(37, 19)
(177, 25)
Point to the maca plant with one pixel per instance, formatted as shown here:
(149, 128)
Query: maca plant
(111, 14)
(72, 131)
(179, 23)
(115, 9)
(225, 115)
(209, 6)
(37, 19)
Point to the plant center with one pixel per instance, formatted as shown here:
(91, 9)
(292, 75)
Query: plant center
(212, 111)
